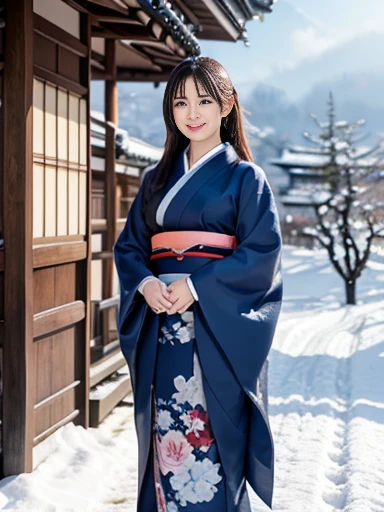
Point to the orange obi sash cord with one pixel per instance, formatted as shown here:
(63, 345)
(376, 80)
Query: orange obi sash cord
(192, 243)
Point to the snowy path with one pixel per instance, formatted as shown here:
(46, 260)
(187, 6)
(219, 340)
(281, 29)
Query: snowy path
(323, 412)
(326, 406)
(327, 394)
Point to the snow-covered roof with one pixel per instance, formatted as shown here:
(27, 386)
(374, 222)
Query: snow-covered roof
(127, 147)
(306, 172)
(297, 198)
(309, 159)
(303, 197)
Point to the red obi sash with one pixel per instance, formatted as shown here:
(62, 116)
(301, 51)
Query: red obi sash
(192, 243)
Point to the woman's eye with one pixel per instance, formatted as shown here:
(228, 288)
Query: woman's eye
(180, 103)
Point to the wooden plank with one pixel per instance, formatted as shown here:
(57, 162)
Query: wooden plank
(43, 289)
(112, 302)
(62, 391)
(96, 18)
(55, 369)
(57, 239)
(58, 318)
(99, 225)
(56, 254)
(131, 32)
(57, 79)
(18, 318)
(103, 368)
(99, 352)
(102, 255)
(100, 408)
(65, 284)
(68, 64)
(113, 5)
(58, 35)
(70, 417)
(140, 75)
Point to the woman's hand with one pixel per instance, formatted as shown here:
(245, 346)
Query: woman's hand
(181, 296)
(157, 297)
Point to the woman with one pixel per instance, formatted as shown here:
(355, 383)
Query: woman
(200, 283)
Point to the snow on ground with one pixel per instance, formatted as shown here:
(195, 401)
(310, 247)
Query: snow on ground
(326, 408)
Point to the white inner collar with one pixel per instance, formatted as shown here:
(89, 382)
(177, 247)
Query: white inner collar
(202, 159)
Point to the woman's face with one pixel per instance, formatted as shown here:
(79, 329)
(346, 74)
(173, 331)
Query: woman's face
(197, 117)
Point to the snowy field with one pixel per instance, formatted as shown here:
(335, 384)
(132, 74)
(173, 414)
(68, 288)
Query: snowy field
(326, 386)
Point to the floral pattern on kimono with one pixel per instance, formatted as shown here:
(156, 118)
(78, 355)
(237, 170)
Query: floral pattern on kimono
(187, 470)
(182, 330)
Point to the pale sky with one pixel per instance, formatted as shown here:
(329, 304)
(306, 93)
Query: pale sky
(296, 29)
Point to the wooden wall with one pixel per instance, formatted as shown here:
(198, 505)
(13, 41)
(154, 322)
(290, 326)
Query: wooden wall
(47, 231)
(61, 233)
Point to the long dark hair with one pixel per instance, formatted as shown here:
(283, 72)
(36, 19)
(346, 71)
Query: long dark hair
(213, 77)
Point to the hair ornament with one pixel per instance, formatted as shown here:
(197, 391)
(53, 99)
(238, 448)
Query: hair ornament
(195, 62)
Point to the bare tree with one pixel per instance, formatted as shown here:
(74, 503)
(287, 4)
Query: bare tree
(349, 211)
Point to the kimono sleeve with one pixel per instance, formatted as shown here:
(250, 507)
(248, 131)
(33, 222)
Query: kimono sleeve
(240, 295)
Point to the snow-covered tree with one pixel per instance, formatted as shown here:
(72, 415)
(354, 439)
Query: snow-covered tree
(349, 211)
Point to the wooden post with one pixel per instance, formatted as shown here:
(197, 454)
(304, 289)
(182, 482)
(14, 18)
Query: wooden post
(18, 414)
(111, 117)
(83, 278)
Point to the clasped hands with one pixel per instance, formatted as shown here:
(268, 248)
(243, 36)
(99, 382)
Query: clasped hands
(174, 298)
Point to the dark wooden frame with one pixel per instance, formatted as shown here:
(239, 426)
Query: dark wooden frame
(24, 330)
(18, 396)
(111, 118)
(63, 42)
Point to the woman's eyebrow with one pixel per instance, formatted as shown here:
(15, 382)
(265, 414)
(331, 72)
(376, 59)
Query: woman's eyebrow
(185, 98)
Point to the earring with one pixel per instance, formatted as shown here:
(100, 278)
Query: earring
(225, 121)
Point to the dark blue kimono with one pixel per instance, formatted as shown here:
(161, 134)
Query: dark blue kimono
(234, 322)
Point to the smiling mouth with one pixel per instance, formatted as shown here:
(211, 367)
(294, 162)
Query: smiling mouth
(195, 126)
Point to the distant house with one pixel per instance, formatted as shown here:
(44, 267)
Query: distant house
(307, 178)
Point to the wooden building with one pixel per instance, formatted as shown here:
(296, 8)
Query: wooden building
(109, 377)
(55, 228)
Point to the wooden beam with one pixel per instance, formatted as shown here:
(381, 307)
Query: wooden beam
(55, 78)
(106, 366)
(56, 395)
(114, 19)
(222, 19)
(71, 417)
(107, 5)
(134, 32)
(111, 118)
(76, 5)
(113, 5)
(58, 35)
(57, 254)
(83, 269)
(18, 377)
(58, 318)
(140, 75)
